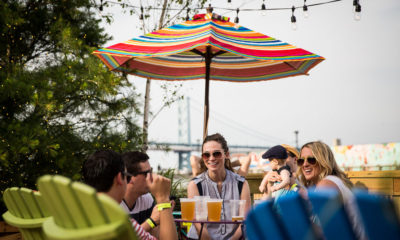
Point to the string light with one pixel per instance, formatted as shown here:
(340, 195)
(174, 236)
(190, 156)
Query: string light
(141, 13)
(305, 10)
(187, 14)
(293, 19)
(229, 3)
(263, 9)
(237, 16)
(357, 10)
(101, 5)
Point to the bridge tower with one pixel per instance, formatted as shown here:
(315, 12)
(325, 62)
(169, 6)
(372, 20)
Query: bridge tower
(184, 135)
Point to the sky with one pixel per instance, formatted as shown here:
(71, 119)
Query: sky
(354, 95)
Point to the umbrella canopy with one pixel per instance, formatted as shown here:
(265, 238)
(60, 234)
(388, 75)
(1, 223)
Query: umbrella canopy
(208, 47)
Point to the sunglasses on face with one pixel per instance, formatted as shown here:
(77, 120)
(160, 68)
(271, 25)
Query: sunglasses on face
(129, 175)
(310, 160)
(207, 155)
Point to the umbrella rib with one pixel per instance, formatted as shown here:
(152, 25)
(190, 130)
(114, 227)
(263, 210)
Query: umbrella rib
(203, 55)
(218, 53)
(290, 65)
(198, 52)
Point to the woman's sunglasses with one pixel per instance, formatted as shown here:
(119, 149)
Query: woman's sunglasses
(207, 155)
(310, 160)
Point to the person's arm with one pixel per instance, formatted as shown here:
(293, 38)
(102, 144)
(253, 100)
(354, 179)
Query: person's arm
(195, 164)
(160, 187)
(245, 164)
(194, 191)
(155, 216)
(244, 196)
(285, 176)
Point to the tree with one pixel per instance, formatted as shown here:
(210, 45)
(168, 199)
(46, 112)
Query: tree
(58, 103)
(155, 15)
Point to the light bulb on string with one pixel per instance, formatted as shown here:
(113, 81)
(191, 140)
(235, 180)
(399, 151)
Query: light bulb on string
(305, 10)
(293, 20)
(263, 9)
(357, 12)
(237, 16)
(229, 3)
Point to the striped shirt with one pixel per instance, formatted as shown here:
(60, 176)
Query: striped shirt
(141, 233)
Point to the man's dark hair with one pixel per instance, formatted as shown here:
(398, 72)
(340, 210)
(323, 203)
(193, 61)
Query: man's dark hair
(100, 169)
(132, 160)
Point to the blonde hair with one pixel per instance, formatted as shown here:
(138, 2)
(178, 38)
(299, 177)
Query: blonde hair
(326, 162)
(221, 140)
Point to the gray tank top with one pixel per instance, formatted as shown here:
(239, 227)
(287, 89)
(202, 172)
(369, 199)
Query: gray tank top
(230, 191)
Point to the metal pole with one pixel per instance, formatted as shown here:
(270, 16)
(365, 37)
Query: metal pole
(297, 138)
(206, 103)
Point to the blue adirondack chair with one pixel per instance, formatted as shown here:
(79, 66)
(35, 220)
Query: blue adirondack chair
(295, 213)
(333, 219)
(379, 216)
(263, 223)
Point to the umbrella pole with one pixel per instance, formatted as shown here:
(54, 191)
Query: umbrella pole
(208, 56)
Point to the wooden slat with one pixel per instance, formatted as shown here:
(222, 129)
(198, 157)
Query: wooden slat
(30, 203)
(52, 201)
(11, 204)
(93, 208)
(373, 174)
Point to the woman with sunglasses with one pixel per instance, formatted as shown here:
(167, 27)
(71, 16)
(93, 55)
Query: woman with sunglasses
(317, 168)
(218, 180)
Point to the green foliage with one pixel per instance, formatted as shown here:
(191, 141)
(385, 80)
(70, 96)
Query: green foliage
(178, 182)
(58, 103)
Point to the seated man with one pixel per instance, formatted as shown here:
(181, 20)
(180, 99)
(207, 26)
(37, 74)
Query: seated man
(105, 171)
(138, 202)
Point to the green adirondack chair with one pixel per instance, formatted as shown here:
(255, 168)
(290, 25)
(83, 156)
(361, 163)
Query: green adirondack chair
(26, 211)
(79, 212)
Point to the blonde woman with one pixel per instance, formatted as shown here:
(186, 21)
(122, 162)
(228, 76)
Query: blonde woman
(317, 168)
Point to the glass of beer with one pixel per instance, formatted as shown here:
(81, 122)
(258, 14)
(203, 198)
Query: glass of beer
(214, 207)
(237, 209)
(188, 208)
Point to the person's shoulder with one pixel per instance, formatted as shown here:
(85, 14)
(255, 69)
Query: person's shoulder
(147, 197)
(236, 176)
(199, 178)
(327, 183)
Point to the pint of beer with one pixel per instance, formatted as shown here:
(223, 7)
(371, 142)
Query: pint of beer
(214, 207)
(188, 208)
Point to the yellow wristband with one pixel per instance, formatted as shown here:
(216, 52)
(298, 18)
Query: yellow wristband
(151, 223)
(163, 206)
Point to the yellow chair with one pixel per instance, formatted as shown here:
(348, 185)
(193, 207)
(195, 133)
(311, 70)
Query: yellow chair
(79, 212)
(26, 211)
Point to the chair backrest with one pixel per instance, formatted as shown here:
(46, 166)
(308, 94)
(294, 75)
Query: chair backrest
(331, 214)
(379, 216)
(26, 211)
(295, 213)
(263, 222)
(79, 212)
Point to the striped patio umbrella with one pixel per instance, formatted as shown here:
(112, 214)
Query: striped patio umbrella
(208, 47)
